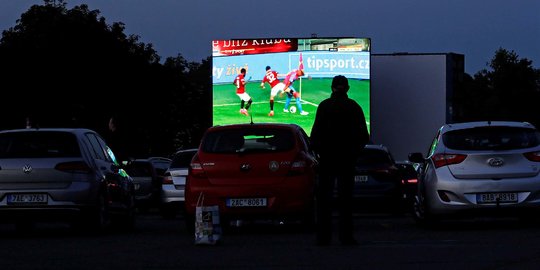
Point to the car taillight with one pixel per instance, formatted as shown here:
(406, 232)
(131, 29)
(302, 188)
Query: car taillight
(196, 168)
(298, 166)
(409, 181)
(167, 179)
(447, 159)
(533, 156)
(73, 167)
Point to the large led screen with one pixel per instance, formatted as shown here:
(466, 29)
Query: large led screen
(268, 61)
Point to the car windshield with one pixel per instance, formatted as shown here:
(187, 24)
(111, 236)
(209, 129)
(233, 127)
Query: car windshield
(407, 170)
(39, 144)
(249, 140)
(182, 159)
(139, 169)
(491, 138)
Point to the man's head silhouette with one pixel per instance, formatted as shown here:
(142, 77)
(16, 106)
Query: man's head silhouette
(340, 84)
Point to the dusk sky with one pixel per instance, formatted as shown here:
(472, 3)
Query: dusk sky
(473, 28)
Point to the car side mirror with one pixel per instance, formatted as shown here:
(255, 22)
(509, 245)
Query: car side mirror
(115, 167)
(416, 157)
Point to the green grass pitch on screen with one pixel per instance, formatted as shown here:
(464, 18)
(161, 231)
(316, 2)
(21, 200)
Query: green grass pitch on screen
(226, 104)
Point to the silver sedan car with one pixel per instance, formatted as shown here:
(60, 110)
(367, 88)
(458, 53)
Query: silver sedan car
(62, 175)
(174, 183)
(479, 168)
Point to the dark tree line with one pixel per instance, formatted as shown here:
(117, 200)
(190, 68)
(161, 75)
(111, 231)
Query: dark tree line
(70, 68)
(509, 90)
(67, 67)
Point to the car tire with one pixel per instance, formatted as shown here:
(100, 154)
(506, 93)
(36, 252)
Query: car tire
(421, 213)
(96, 219)
(127, 220)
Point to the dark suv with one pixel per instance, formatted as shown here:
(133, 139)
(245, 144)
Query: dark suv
(377, 183)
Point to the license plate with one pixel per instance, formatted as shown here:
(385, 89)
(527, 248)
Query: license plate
(360, 178)
(246, 202)
(505, 197)
(27, 198)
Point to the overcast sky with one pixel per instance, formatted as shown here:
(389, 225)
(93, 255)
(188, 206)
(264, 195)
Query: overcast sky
(473, 28)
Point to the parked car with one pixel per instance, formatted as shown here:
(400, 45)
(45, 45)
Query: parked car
(161, 165)
(174, 183)
(409, 181)
(62, 175)
(479, 168)
(147, 177)
(378, 183)
(253, 171)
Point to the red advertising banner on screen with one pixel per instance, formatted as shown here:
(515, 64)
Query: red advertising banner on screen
(253, 46)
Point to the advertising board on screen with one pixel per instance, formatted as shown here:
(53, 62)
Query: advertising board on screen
(304, 68)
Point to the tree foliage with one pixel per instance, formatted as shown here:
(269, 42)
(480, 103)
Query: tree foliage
(68, 67)
(510, 90)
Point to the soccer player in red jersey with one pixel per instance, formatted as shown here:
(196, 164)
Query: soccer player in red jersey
(240, 83)
(271, 77)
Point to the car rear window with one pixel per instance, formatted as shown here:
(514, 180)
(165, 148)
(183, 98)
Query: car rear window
(248, 140)
(374, 157)
(39, 144)
(161, 166)
(407, 170)
(139, 169)
(491, 138)
(182, 159)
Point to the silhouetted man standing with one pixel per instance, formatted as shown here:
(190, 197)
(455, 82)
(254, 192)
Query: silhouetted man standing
(338, 135)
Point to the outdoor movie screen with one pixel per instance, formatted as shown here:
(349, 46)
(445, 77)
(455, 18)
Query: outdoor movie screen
(285, 78)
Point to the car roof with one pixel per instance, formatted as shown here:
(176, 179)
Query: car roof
(69, 130)
(406, 162)
(156, 159)
(466, 125)
(258, 125)
(151, 159)
(186, 151)
(377, 146)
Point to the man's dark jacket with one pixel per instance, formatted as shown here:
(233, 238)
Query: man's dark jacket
(339, 132)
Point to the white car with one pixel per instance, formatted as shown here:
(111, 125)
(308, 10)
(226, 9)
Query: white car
(174, 183)
(479, 168)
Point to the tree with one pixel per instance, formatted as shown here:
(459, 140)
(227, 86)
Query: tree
(509, 91)
(193, 110)
(53, 50)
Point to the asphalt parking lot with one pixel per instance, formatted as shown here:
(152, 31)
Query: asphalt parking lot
(386, 242)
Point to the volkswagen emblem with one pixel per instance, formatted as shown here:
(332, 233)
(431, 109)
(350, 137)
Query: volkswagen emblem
(27, 168)
(495, 162)
(273, 166)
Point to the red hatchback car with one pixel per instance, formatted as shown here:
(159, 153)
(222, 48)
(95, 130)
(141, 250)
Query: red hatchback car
(253, 171)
